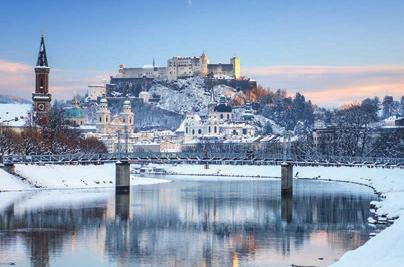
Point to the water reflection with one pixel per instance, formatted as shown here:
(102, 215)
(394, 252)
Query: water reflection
(187, 223)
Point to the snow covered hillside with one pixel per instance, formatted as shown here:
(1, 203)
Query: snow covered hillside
(190, 94)
(8, 99)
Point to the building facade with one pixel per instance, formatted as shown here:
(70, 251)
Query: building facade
(123, 122)
(219, 125)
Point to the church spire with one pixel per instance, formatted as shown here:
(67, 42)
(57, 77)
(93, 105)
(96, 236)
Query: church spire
(42, 59)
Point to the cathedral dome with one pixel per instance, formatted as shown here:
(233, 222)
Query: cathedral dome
(74, 112)
(126, 102)
(223, 108)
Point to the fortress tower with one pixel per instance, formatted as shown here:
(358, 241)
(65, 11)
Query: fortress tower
(204, 64)
(235, 61)
(41, 97)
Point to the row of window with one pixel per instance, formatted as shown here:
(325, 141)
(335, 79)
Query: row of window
(106, 120)
(200, 130)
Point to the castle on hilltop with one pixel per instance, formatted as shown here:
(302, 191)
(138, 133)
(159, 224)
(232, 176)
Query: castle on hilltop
(184, 67)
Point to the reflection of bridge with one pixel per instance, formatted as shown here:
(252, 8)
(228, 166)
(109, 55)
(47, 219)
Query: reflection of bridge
(234, 158)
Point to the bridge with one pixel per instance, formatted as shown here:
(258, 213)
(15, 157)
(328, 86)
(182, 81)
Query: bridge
(123, 160)
(231, 158)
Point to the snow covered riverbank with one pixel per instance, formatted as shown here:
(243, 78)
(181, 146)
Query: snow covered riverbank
(386, 248)
(65, 177)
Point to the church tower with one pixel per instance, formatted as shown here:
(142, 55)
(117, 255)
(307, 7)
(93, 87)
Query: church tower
(41, 98)
(127, 116)
(103, 117)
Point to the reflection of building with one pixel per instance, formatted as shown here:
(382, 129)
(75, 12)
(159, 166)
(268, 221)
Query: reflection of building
(41, 98)
(75, 115)
(123, 122)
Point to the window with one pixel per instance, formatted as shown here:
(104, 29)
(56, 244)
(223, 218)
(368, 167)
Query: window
(123, 120)
(234, 132)
(100, 119)
(221, 116)
(106, 119)
(186, 130)
(193, 132)
(209, 129)
(228, 116)
(244, 131)
(215, 129)
(199, 131)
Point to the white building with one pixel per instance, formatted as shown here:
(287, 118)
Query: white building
(148, 71)
(96, 90)
(219, 125)
(181, 67)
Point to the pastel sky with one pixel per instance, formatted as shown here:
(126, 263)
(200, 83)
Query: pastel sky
(331, 51)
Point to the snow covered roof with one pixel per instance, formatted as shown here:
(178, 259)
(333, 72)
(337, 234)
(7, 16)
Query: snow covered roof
(9, 112)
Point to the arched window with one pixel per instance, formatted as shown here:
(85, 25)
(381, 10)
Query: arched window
(106, 119)
(209, 129)
(215, 129)
(228, 116)
(186, 130)
(100, 119)
(123, 120)
(199, 131)
(221, 116)
(193, 132)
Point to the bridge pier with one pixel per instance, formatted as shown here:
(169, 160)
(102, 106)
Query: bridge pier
(286, 178)
(122, 177)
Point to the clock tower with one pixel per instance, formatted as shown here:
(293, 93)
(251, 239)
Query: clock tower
(41, 98)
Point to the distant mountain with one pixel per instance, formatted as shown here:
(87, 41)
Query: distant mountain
(8, 99)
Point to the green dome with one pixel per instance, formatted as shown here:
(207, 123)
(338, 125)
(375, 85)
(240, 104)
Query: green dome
(74, 113)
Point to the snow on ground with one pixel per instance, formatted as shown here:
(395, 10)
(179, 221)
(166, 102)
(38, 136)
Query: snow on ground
(76, 176)
(9, 113)
(386, 248)
(9, 182)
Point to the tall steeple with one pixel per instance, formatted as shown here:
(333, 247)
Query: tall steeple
(42, 59)
(41, 97)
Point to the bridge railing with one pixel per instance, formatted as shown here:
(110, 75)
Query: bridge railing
(197, 157)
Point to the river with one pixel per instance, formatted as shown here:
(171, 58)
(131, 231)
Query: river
(188, 222)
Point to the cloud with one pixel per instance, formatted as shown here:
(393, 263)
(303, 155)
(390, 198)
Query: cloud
(13, 67)
(19, 79)
(333, 85)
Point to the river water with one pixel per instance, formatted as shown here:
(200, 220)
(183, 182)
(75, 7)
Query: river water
(185, 223)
